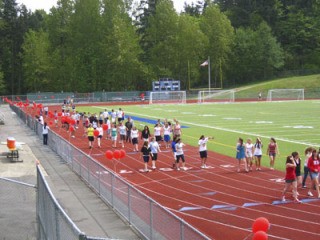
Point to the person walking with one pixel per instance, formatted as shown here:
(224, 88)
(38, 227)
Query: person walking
(306, 172)
(272, 151)
(99, 137)
(114, 134)
(145, 134)
(180, 155)
(258, 153)
(290, 180)
(129, 126)
(203, 150)
(134, 138)
(90, 135)
(154, 146)
(146, 152)
(241, 156)
(123, 133)
(166, 134)
(314, 166)
(249, 153)
(45, 132)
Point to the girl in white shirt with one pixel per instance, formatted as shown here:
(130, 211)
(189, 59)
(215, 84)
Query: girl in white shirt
(258, 153)
(45, 131)
(100, 129)
(157, 133)
(249, 153)
(122, 132)
(134, 138)
(166, 134)
(180, 154)
(203, 150)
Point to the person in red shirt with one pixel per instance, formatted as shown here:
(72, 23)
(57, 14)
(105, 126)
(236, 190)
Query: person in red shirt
(314, 167)
(290, 179)
(272, 151)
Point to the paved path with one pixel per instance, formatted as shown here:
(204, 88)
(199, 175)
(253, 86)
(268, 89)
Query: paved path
(18, 202)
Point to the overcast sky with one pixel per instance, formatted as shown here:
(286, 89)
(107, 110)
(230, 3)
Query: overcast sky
(47, 4)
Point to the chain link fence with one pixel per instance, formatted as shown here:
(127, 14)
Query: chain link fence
(17, 209)
(148, 217)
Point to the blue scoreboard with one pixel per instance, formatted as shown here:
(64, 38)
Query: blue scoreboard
(166, 84)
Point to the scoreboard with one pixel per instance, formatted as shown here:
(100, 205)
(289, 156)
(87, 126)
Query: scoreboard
(166, 84)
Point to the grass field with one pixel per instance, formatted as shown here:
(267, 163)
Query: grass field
(309, 83)
(295, 125)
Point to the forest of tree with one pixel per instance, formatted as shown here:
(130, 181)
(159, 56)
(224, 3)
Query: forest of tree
(123, 45)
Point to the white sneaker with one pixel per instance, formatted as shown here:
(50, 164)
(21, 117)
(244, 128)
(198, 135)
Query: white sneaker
(154, 167)
(178, 169)
(283, 199)
(310, 194)
(184, 168)
(203, 166)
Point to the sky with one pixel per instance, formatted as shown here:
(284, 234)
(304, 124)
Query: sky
(47, 4)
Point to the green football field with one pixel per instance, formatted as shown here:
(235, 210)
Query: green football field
(294, 124)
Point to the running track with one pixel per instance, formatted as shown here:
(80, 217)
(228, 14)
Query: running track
(218, 201)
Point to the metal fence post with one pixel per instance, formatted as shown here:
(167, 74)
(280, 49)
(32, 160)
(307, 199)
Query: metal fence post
(56, 210)
(129, 204)
(151, 220)
(112, 186)
(181, 230)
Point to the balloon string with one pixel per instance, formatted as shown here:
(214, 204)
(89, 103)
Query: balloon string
(247, 237)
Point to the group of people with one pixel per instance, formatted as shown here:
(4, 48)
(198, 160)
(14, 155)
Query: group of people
(247, 153)
(293, 177)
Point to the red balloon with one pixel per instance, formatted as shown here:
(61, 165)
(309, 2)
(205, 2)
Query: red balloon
(105, 127)
(260, 235)
(71, 128)
(72, 121)
(122, 153)
(260, 224)
(96, 133)
(50, 123)
(59, 114)
(116, 154)
(109, 155)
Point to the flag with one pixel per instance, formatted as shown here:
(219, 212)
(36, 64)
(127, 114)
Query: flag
(205, 63)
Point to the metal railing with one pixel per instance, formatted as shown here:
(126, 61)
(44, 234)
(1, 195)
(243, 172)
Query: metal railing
(144, 214)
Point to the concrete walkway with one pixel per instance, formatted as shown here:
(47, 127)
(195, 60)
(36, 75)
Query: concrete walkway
(18, 207)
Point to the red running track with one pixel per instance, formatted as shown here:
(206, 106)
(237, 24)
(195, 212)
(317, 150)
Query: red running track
(218, 201)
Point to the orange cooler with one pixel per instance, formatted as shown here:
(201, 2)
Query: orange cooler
(11, 142)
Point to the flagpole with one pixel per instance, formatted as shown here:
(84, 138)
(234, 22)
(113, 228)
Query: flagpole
(209, 73)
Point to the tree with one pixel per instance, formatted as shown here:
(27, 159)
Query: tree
(191, 44)
(256, 54)
(162, 36)
(58, 25)
(216, 26)
(36, 61)
(85, 47)
(2, 83)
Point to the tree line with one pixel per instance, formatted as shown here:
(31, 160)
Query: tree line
(123, 45)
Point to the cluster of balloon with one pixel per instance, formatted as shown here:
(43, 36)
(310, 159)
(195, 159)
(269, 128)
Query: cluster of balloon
(117, 154)
(259, 229)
